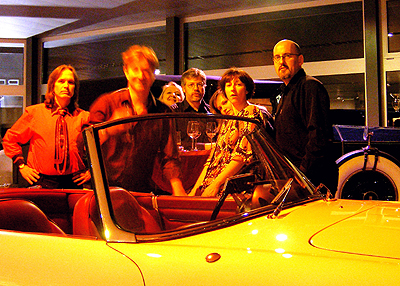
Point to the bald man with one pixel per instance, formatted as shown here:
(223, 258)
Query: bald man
(303, 128)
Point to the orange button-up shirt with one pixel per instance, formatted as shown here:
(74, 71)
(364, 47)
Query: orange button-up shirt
(37, 126)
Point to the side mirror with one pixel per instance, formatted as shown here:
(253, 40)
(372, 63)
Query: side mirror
(325, 192)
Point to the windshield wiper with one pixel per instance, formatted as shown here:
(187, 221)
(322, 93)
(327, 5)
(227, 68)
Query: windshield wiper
(282, 194)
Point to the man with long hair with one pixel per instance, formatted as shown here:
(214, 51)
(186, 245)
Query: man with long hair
(51, 129)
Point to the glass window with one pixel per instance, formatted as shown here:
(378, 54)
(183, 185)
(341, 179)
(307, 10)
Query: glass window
(329, 32)
(11, 107)
(325, 33)
(12, 65)
(12, 88)
(100, 58)
(393, 97)
(393, 21)
(347, 98)
(391, 63)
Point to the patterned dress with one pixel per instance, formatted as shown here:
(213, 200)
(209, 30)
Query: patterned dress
(231, 144)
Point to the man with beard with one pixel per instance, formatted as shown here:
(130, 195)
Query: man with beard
(302, 124)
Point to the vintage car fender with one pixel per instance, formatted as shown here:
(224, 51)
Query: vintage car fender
(353, 163)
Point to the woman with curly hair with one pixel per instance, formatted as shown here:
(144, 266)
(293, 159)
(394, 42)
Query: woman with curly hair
(232, 151)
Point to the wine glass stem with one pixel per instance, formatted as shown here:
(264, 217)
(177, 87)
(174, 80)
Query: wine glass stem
(195, 144)
(192, 144)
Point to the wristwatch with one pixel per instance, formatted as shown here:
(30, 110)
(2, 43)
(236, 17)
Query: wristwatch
(21, 166)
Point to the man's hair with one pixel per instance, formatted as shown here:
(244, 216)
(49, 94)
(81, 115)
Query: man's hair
(193, 73)
(244, 77)
(53, 77)
(296, 45)
(297, 48)
(135, 51)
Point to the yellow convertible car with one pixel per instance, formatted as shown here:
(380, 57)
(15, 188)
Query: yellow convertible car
(267, 224)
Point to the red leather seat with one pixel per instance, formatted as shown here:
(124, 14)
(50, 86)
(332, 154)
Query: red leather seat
(128, 213)
(85, 212)
(23, 215)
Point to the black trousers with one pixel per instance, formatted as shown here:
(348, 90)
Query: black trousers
(57, 182)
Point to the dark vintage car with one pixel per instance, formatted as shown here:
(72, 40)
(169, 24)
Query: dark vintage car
(269, 225)
(368, 161)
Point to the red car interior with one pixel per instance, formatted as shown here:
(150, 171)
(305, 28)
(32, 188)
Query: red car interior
(75, 211)
(23, 215)
(128, 214)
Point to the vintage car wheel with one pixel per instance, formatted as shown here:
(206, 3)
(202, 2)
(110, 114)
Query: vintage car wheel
(379, 180)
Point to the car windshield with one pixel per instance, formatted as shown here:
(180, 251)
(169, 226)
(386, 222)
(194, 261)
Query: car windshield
(225, 166)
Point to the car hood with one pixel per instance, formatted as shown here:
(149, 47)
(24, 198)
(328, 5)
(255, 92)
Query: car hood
(316, 243)
(372, 232)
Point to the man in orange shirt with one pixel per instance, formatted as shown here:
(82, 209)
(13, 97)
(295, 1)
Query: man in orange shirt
(51, 128)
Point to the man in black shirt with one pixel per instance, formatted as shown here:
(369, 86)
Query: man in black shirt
(193, 83)
(302, 124)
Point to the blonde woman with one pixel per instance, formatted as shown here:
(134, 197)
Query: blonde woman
(171, 93)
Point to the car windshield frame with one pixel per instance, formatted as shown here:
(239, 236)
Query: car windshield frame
(261, 144)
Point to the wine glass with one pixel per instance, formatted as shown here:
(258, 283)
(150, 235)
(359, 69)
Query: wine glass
(211, 130)
(193, 130)
(396, 101)
(179, 141)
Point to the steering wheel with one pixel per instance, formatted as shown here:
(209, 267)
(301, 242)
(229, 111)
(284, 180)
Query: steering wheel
(233, 185)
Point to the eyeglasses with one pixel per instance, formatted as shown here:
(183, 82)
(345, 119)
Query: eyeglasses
(277, 58)
(193, 85)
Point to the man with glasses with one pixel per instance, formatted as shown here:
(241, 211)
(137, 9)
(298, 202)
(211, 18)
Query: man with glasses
(193, 82)
(303, 128)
